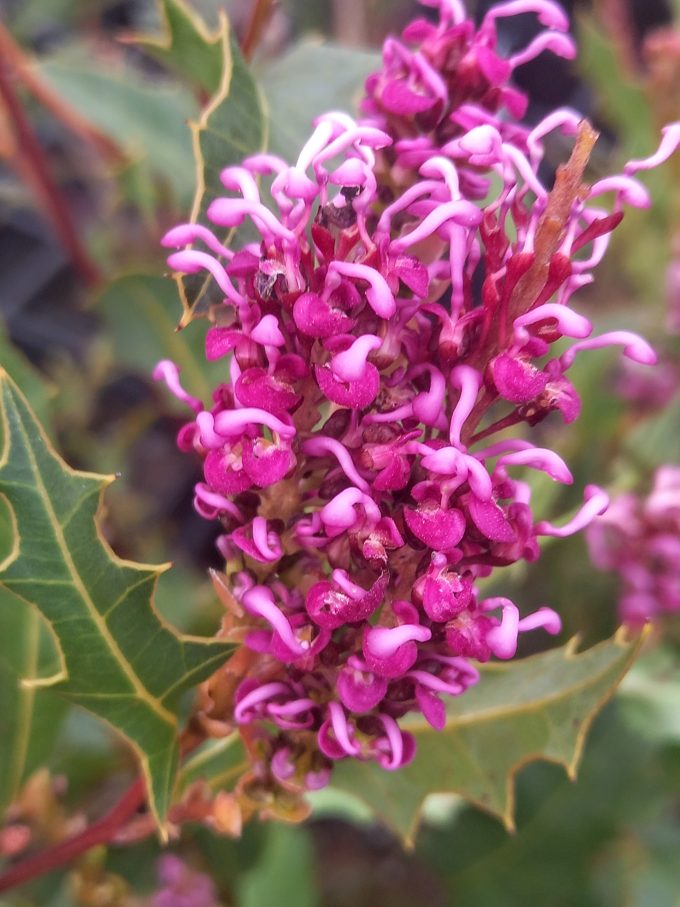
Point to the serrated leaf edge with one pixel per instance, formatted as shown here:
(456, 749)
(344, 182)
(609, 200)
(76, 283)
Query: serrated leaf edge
(105, 480)
(222, 33)
(621, 638)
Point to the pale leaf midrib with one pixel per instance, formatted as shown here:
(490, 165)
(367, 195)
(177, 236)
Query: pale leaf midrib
(80, 588)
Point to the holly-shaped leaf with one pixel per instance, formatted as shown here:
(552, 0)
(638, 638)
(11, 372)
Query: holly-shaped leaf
(232, 126)
(536, 708)
(186, 46)
(116, 656)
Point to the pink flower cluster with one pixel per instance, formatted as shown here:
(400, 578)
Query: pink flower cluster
(639, 538)
(181, 886)
(398, 313)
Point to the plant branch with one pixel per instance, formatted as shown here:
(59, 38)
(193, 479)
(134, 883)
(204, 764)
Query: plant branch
(259, 17)
(34, 163)
(75, 122)
(100, 832)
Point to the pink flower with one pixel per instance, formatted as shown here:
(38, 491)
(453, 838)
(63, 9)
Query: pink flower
(346, 453)
(639, 539)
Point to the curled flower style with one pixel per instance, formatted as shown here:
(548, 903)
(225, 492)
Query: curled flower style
(397, 315)
(639, 539)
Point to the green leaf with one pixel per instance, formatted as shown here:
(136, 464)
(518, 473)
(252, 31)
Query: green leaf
(309, 80)
(146, 119)
(650, 693)
(218, 762)
(623, 102)
(29, 719)
(186, 46)
(231, 127)
(284, 873)
(141, 314)
(37, 389)
(537, 708)
(116, 657)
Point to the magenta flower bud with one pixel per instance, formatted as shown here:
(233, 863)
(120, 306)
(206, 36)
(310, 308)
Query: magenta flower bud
(466, 635)
(596, 502)
(468, 381)
(565, 119)
(568, 323)
(502, 639)
(191, 261)
(482, 145)
(263, 545)
(516, 379)
(185, 234)
(670, 140)
(350, 365)
(358, 688)
(267, 332)
(266, 463)
(320, 446)
(231, 423)
(231, 212)
(255, 388)
(446, 594)
(167, 371)
(539, 458)
(634, 347)
(259, 601)
(396, 748)
(628, 190)
(210, 504)
(491, 520)
(224, 472)
(356, 394)
(250, 697)
(458, 212)
(556, 42)
(341, 743)
(390, 652)
(316, 318)
(339, 513)
(379, 295)
(549, 14)
(439, 529)
(428, 405)
(220, 342)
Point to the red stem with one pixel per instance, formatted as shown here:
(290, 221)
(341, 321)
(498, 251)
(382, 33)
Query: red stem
(100, 832)
(260, 14)
(35, 161)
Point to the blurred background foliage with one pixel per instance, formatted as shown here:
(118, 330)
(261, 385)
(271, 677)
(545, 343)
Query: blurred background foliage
(87, 313)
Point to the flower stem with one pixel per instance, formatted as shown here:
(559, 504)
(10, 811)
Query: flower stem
(259, 17)
(33, 161)
(100, 832)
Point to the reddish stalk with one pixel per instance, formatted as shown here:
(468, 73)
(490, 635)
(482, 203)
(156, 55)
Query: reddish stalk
(29, 76)
(100, 832)
(259, 17)
(35, 163)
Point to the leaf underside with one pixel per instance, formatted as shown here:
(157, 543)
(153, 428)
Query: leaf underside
(538, 708)
(116, 656)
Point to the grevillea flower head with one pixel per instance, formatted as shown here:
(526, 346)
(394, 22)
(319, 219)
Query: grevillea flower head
(355, 453)
(639, 539)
